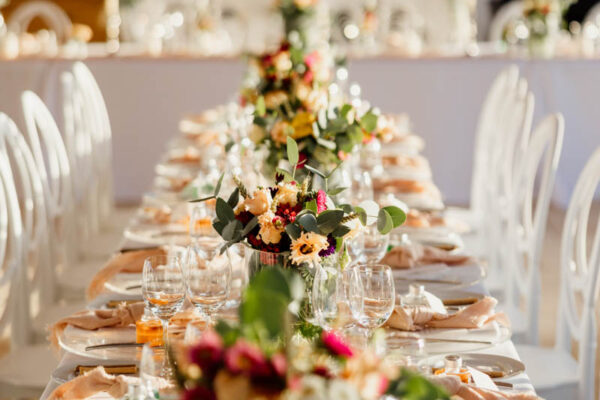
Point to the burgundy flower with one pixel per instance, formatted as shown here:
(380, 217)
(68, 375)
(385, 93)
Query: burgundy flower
(287, 212)
(335, 344)
(321, 201)
(279, 364)
(198, 393)
(302, 158)
(323, 371)
(208, 353)
(330, 249)
(246, 358)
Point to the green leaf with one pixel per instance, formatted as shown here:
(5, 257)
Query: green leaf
(355, 134)
(328, 220)
(398, 216)
(384, 222)
(261, 109)
(219, 182)
(219, 226)
(292, 151)
(335, 191)
(229, 145)
(286, 175)
(293, 231)
(228, 333)
(308, 221)
(346, 108)
(347, 208)
(362, 215)
(315, 171)
(232, 230)
(224, 211)
(202, 199)
(369, 121)
(272, 318)
(311, 206)
(234, 198)
(340, 231)
(249, 226)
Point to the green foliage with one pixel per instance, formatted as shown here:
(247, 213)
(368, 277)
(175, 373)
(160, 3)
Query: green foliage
(412, 386)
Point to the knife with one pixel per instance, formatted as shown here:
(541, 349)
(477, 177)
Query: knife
(445, 282)
(109, 345)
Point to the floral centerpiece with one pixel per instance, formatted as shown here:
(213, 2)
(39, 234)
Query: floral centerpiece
(543, 19)
(290, 224)
(290, 92)
(259, 358)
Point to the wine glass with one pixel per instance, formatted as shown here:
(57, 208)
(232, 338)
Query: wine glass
(201, 217)
(326, 292)
(163, 289)
(208, 276)
(239, 274)
(374, 244)
(371, 295)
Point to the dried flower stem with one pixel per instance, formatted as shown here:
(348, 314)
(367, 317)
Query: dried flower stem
(241, 187)
(349, 217)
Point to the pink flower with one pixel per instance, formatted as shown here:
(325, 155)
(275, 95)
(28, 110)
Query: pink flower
(311, 59)
(208, 353)
(308, 76)
(321, 201)
(198, 393)
(246, 358)
(336, 344)
(342, 155)
(279, 364)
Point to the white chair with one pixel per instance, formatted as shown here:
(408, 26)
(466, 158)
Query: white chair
(37, 251)
(488, 120)
(506, 15)
(526, 227)
(554, 372)
(25, 369)
(58, 21)
(48, 149)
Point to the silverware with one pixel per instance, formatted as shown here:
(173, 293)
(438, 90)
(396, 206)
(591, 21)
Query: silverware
(441, 281)
(504, 384)
(130, 249)
(133, 287)
(458, 341)
(109, 345)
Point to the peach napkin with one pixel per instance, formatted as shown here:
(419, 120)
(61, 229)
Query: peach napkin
(122, 316)
(455, 387)
(128, 262)
(415, 254)
(474, 316)
(96, 381)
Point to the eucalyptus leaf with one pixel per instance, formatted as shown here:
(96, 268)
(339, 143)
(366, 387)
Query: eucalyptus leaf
(261, 109)
(347, 208)
(231, 230)
(219, 182)
(287, 177)
(315, 171)
(219, 226)
(369, 121)
(293, 231)
(335, 191)
(311, 206)
(249, 226)
(224, 211)
(309, 222)
(346, 108)
(202, 199)
(397, 214)
(328, 220)
(384, 222)
(292, 151)
(362, 215)
(234, 198)
(340, 231)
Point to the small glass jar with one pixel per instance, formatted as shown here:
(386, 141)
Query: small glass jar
(415, 297)
(149, 329)
(453, 366)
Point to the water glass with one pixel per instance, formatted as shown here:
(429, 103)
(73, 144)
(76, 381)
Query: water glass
(163, 289)
(327, 291)
(208, 276)
(371, 294)
(374, 244)
(201, 217)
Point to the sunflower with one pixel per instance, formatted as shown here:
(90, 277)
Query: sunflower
(307, 247)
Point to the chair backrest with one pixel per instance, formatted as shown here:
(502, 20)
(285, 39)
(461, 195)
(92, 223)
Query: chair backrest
(507, 14)
(580, 277)
(26, 177)
(14, 306)
(96, 116)
(51, 158)
(486, 125)
(526, 224)
(58, 21)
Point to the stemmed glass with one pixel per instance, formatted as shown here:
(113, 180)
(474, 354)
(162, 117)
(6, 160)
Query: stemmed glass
(208, 276)
(163, 289)
(201, 217)
(369, 246)
(371, 295)
(327, 290)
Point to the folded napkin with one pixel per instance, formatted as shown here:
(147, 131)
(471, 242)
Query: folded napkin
(474, 316)
(409, 256)
(128, 262)
(455, 387)
(422, 219)
(97, 381)
(122, 316)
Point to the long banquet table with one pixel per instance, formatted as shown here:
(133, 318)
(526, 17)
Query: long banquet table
(147, 97)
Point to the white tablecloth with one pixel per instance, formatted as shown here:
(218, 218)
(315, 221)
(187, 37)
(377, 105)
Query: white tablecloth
(147, 97)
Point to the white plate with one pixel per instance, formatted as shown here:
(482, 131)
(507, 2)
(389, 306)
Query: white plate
(123, 284)
(158, 234)
(493, 333)
(454, 277)
(484, 362)
(75, 340)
